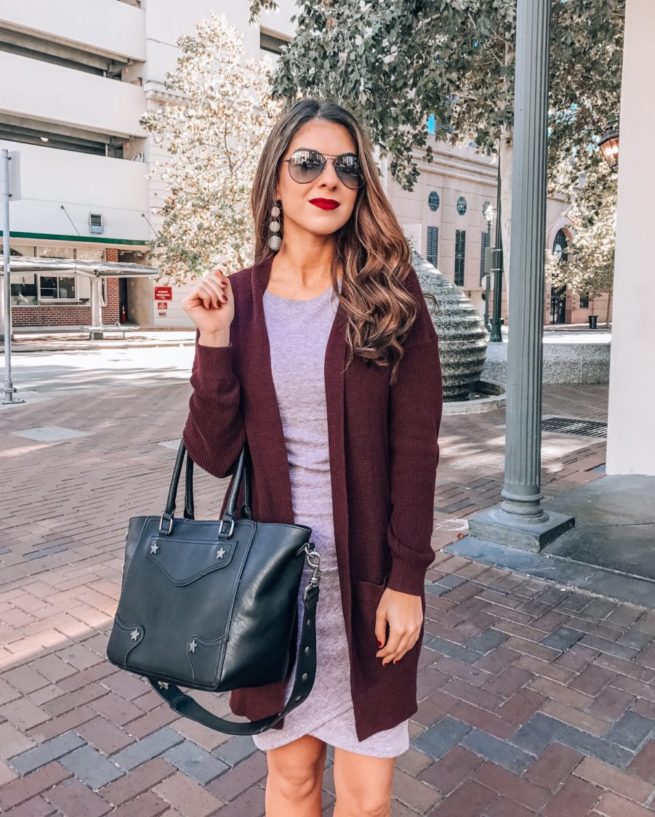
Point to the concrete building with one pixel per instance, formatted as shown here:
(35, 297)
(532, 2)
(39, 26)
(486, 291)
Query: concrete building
(82, 75)
(445, 218)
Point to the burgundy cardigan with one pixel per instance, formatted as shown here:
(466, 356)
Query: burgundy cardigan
(383, 455)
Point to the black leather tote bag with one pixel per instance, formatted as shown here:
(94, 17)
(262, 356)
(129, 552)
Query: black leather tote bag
(212, 605)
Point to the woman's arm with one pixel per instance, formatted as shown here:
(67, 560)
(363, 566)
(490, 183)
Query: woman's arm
(415, 408)
(214, 432)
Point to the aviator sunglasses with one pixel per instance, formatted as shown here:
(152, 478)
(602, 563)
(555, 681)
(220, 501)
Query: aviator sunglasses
(306, 165)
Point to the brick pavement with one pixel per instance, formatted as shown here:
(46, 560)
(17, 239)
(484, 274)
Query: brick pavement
(534, 699)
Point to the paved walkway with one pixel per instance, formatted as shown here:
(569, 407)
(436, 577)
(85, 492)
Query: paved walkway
(44, 341)
(533, 699)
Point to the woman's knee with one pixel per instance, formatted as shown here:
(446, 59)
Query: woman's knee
(363, 785)
(296, 769)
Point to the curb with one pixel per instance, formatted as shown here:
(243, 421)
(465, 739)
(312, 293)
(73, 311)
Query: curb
(76, 347)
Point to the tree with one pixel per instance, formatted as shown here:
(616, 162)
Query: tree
(212, 131)
(589, 266)
(395, 63)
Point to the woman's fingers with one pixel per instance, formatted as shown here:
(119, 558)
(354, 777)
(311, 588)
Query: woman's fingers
(400, 641)
(404, 615)
(397, 645)
(208, 296)
(212, 289)
(216, 285)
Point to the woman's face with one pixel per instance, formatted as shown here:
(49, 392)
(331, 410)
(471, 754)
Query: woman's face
(331, 140)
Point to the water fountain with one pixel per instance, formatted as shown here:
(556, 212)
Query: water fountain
(462, 343)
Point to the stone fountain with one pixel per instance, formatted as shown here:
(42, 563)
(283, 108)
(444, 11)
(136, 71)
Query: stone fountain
(462, 339)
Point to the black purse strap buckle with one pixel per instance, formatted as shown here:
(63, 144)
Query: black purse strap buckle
(169, 519)
(221, 535)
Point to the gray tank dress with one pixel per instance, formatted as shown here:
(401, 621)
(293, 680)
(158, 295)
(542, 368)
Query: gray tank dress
(298, 331)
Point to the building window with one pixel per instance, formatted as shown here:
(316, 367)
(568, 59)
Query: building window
(484, 243)
(272, 42)
(461, 205)
(584, 301)
(460, 253)
(23, 288)
(432, 254)
(57, 287)
(433, 200)
(50, 287)
(561, 246)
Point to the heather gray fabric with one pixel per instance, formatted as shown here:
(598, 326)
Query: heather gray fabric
(298, 333)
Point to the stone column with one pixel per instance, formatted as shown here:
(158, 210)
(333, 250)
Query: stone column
(520, 520)
(521, 491)
(96, 307)
(630, 438)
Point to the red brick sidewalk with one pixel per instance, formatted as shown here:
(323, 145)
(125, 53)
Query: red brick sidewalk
(533, 699)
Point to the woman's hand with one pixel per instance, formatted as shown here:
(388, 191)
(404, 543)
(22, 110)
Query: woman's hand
(211, 304)
(404, 613)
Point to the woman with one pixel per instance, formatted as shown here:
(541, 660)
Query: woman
(324, 356)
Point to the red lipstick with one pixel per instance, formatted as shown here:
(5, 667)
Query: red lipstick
(325, 204)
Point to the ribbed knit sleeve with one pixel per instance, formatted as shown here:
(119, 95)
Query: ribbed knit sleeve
(415, 408)
(214, 432)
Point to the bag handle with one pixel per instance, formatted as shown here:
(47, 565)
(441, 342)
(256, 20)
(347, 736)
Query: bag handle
(241, 472)
(304, 679)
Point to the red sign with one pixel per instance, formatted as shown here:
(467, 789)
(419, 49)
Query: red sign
(162, 305)
(163, 293)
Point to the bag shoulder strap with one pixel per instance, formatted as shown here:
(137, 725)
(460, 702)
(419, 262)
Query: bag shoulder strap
(303, 682)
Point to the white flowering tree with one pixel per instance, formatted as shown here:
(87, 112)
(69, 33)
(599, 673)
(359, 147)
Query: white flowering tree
(589, 265)
(212, 131)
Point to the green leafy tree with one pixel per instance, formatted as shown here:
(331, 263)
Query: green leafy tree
(395, 63)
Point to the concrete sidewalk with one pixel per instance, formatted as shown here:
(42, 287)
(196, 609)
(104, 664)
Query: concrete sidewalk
(75, 340)
(44, 341)
(534, 699)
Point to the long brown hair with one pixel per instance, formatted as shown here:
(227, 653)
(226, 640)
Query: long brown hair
(371, 246)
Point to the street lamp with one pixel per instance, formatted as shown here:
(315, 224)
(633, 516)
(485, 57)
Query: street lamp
(488, 213)
(609, 147)
(497, 267)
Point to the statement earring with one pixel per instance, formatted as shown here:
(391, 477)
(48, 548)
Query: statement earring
(274, 241)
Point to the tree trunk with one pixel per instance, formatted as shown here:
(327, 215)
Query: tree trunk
(609, 308)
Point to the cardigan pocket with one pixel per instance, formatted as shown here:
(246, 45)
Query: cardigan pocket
(367, 597)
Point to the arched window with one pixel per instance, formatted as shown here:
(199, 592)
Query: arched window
(561, 245)
(558, 294)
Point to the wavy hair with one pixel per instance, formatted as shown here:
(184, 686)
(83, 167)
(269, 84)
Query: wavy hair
(371, 246)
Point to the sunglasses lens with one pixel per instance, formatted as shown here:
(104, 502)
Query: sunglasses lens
(348, 171)
(305, 165)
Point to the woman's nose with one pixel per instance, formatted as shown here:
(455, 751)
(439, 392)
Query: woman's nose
(329, 173)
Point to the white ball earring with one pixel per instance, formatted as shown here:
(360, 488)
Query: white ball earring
(274, 241)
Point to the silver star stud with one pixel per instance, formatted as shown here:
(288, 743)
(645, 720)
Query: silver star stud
(220, 553)
(162, 684)
(192, 645)
(134, 635)
(154, 547)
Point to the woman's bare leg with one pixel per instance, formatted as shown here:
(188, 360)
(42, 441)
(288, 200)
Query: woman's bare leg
(295, 778)
(363, 784)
